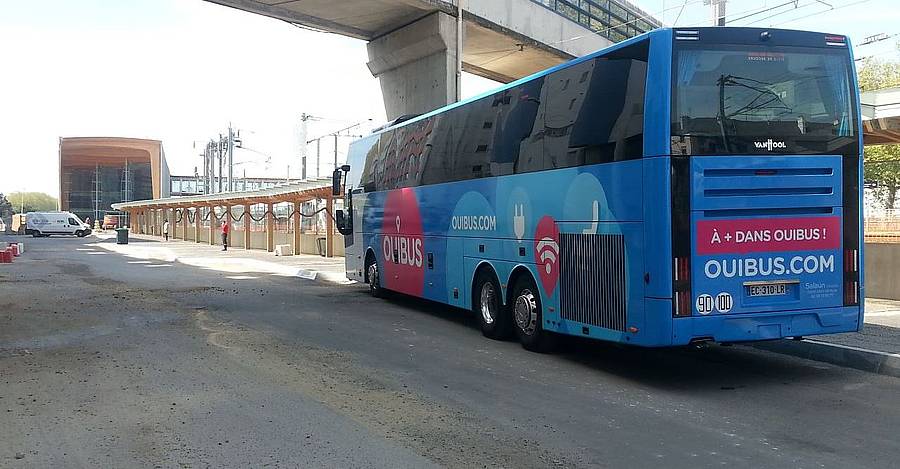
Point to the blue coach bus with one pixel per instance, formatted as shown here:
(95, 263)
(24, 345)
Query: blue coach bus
(685, 185)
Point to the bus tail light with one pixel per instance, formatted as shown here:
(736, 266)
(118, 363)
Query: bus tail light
(851, 277)
(681, 307)
(851, 229)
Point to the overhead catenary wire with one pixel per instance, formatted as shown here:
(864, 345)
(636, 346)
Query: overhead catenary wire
(758, 10)
(821, 12)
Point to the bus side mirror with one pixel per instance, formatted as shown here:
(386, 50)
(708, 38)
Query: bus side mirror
(336, 182)
(343, 223)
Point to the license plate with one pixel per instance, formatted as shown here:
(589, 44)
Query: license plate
(767, 289)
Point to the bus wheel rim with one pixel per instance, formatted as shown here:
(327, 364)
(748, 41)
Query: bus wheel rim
(373, 276)
(526, 311)
(488, 303)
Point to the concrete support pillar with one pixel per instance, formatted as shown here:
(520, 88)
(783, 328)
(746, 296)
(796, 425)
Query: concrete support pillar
(184, 223)
(270, 228)
(416, 65)
(247, 221)
(297, 207)
(197, 217)
(329, 226)
(213, 224)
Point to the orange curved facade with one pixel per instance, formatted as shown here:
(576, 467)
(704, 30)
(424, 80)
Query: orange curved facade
(95, 172)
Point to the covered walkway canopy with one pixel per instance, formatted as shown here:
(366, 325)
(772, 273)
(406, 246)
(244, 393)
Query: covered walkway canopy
(148, 216)
(881, 116)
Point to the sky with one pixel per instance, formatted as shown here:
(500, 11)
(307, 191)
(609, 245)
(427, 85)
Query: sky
(181, 70)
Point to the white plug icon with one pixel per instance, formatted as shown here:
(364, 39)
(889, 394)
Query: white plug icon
(519, 221)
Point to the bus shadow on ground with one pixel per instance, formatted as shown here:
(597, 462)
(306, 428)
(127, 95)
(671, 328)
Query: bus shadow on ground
(706, 367)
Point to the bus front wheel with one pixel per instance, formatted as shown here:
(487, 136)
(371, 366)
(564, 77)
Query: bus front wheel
(492, 316)
(528, 317)
(373, 277)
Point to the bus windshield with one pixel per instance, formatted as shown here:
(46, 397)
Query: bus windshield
(748, 99)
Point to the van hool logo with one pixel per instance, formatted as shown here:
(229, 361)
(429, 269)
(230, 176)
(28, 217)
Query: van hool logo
(769, 144)
(402, 244)
(546, 253)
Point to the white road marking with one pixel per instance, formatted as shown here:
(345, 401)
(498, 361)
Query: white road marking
(882, 314)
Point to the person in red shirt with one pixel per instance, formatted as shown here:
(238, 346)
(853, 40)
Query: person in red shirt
(225, 235)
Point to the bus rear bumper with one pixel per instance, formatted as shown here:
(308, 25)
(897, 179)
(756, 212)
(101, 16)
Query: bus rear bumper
(765, 326)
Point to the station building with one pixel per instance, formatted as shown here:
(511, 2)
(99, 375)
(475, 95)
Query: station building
(96, 172)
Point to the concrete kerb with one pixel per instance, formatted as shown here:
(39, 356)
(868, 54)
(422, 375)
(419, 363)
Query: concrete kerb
(872, 361)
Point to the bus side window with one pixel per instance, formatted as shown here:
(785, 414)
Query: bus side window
(599, 116)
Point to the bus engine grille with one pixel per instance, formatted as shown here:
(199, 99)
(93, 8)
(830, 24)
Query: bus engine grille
(592, 279)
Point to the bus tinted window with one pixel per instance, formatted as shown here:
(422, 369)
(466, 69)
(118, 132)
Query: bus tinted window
(731, 98)
(595, 113)
(588, 113)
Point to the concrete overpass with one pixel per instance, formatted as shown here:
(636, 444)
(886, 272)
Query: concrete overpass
(413, 44)
(881, 116)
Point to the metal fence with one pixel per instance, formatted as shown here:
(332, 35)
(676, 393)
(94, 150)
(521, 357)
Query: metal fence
(882, 228)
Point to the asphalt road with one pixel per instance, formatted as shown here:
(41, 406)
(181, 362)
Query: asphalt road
(110, 361)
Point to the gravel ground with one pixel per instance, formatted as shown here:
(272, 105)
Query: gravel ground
(113, 361)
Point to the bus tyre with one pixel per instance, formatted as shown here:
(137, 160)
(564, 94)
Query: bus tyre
(492, 316)
(527, 313)
(35, 234)
(374, 278)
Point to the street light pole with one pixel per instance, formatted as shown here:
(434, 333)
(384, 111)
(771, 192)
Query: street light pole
(335, 149)
(230, 158)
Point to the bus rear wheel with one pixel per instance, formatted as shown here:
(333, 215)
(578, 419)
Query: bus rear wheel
(374, 279)
(528, 317)
(492, 316)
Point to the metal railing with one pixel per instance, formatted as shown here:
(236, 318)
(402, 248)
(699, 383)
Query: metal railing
(615, 20)
(883, 228)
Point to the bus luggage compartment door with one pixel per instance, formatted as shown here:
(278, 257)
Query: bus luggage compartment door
(766, 233)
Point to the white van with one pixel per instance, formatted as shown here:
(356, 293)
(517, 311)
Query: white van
(51, 223)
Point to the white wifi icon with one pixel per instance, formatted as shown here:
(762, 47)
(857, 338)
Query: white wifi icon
(548, 251)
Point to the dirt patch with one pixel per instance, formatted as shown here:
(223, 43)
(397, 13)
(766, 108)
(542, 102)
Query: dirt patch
(445, 435)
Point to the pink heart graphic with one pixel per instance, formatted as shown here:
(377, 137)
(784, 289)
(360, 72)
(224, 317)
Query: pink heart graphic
(546, 253)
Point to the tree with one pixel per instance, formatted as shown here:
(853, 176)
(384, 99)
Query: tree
(882, 167)
(32, 202)
(881, 162)
(6, 209)
(876, 74)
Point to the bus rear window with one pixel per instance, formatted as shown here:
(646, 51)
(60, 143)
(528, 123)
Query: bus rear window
(750, 100)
